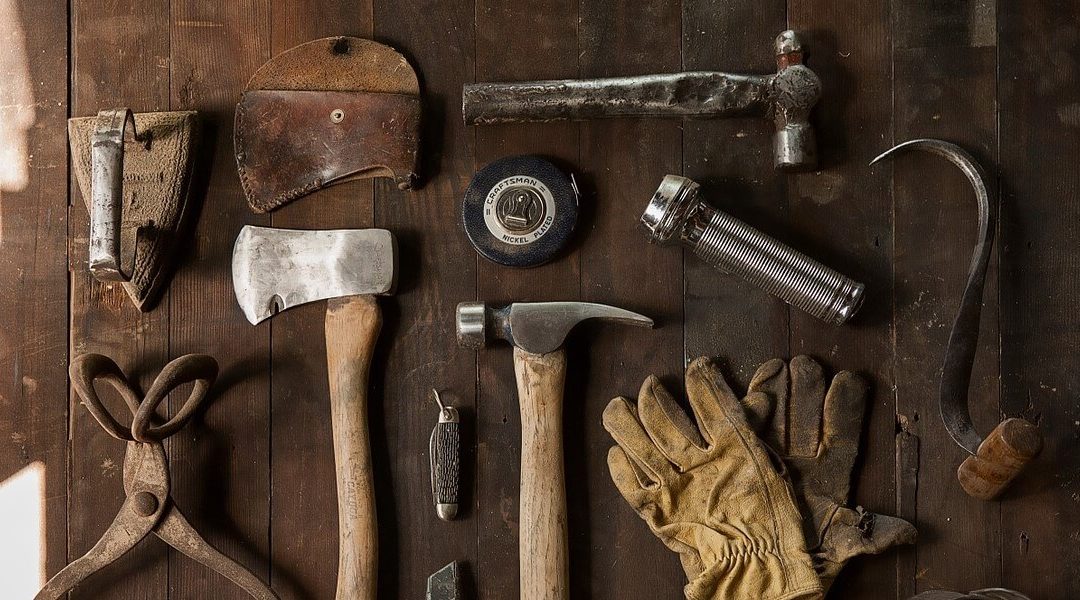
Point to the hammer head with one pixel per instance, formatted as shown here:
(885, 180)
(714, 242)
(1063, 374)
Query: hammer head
(795, 91)
(276, 269)
(535, 327)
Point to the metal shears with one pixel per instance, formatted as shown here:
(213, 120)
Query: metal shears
(148, 506)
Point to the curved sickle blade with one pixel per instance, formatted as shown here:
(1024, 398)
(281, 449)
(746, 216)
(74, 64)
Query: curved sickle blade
(541, 327)
(964, 338)
(275, 269)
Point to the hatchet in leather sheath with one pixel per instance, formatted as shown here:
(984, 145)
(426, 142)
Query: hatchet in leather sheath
(275, 269)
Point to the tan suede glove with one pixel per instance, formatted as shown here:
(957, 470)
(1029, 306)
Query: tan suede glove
(816, 431)
(713, 496)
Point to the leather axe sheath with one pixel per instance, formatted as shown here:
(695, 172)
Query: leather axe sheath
(325, 112)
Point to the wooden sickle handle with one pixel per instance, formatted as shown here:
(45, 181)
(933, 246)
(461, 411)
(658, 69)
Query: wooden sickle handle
(542, 551)
(1001, 457)
(352, 327)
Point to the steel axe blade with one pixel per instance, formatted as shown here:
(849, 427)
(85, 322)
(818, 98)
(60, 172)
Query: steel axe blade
(276, 269)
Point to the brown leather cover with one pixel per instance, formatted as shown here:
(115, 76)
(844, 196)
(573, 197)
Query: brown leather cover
(286, 142)
(294, 147)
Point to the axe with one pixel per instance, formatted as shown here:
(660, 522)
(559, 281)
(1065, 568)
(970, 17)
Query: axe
(276, 269)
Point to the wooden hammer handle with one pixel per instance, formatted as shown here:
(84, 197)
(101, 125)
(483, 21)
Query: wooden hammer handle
(352, 327)
(1001, 457)
(542, 551)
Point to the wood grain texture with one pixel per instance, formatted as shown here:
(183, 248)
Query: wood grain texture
(437, 270)
(840, 215)
(254, 471)
(614, 556)
(114, 62)
(503, 53)
(542, 553)
(226, 493)
(1037, 98)
(352, 328)
(944, 79)
(302, 470)
(34, 407)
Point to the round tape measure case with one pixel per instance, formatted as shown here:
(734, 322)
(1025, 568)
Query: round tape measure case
(520, 211)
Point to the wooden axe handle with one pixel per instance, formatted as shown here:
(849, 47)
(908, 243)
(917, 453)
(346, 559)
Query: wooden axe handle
(542, 551)
(352, 327)
(1001, 457)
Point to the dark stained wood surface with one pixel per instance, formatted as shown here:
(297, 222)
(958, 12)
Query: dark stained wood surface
(254, 472)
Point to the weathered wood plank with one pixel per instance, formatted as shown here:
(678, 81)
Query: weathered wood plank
(617, 556)
(33, 266)
(504, 53)
(305, 541)
(221, 462)
(945, 76)
(732, 160)
(437, 270)
(1039, 51)
(841, 215)
(119, 57)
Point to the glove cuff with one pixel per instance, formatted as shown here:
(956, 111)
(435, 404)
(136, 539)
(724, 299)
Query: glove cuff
(762, 570)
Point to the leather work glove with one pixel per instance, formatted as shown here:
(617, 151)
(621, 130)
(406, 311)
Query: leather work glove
(816, 431)
(713, 496)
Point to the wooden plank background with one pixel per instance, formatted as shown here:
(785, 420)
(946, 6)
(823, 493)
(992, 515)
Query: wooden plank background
(254, 472)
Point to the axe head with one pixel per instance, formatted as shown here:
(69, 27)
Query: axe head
(275, 269)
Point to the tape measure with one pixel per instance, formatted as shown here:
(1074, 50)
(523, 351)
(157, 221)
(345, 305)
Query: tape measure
(520, 211)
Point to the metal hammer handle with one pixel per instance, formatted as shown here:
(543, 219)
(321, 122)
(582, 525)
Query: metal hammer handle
(352, 327)
(691, 94)
(542, 551)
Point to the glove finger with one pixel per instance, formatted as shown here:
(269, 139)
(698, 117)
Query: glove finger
(856, 532)
(718, 411)
(758, 407)
(773, 381)
(845, 408)
(669, 426)
(621, 421)
(807, 405)
(628, 478)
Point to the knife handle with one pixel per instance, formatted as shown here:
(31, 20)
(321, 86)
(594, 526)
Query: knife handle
(445, 452)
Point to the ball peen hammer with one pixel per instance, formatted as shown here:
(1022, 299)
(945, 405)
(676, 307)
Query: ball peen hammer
(785, 97)
(537, 331)
(276, 269)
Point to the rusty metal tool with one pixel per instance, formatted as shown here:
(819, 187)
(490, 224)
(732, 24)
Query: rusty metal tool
(325, 112)
(134, 171)
(148, 507)
(1002, 455)
(444, 584)
(275, 269)
(675, 215)
(785, 97)
(444, 449)
(537, 331)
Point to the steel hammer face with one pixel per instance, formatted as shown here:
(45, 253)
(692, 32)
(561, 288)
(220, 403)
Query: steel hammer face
(534, 327)
(537, 331)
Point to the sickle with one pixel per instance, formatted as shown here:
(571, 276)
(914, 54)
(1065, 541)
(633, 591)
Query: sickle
(1000, 457)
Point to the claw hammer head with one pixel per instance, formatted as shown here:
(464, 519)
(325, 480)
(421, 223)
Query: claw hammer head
(795, 91)
(535, 327)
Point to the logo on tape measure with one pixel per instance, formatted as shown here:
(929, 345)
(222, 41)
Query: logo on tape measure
(519, 210)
